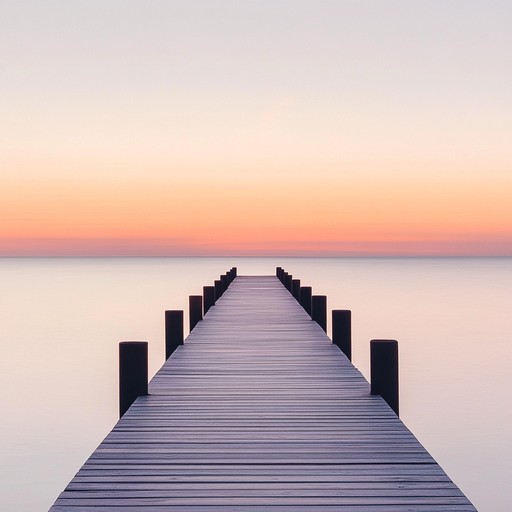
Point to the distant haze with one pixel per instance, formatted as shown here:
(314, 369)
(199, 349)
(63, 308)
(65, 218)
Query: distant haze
(326, 127)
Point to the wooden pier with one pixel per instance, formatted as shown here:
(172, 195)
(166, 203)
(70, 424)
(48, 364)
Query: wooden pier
(259, 411)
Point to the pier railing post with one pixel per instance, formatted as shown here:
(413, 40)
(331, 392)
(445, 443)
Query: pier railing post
(342, 331)
(195, 303)
(173, 331)
(305, 298)
(133, 373)
(319, 310)
(208, 298)
(384, 371)
(224, 282)
(218, 289)
(288, 282)
(296, 289)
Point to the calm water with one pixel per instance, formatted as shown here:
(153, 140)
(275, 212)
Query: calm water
(61, 321)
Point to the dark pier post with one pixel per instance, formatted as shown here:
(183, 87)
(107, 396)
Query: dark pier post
(296, 289)
(278, 272)
(218, 289)
(173, 331)
(384, 371)
(305, 298)
(235, 272)
(208, 298)
(133, 373)
(283, 279)
(319, 310)
(195, 309)
(288, 282)
(224, 282)
(342, 331)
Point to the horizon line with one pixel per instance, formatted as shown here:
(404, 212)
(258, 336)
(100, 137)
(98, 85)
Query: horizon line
(255, 256)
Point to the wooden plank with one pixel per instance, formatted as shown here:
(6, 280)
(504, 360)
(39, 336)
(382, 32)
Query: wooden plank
(258, 411)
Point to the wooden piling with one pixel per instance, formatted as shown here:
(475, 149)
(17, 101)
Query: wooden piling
(384, 371)
(342, 331)
(288, 282)
(218, 289)
(305, 298)
(195, 311)
(319, 310)
(208, 298)
(173, 331)
(133, 373)
(296, 289)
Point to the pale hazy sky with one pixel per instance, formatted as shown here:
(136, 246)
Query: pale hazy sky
(256, 127)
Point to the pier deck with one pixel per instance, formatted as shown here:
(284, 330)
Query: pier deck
(259, 411)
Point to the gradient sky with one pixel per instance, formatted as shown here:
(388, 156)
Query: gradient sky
(332, 127)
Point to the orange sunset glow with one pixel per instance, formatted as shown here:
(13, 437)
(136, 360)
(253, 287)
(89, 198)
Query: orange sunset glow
(264, 130)
(151, 220)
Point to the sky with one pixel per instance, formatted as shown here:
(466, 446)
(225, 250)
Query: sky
(326, 127)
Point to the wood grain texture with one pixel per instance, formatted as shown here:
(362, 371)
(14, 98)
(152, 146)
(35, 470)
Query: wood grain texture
(259, 411)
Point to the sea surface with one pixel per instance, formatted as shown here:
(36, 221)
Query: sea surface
(61, 321)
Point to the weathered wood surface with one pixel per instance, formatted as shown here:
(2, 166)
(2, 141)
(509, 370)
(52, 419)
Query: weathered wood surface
(259, 411)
